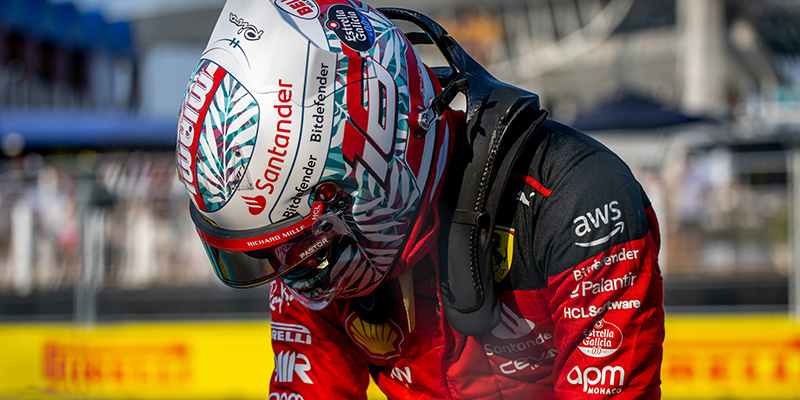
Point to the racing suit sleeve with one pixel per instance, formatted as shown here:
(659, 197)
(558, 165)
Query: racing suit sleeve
(597, 238)
(314, 359)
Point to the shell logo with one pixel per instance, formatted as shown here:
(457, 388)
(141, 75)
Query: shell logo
(379, 341)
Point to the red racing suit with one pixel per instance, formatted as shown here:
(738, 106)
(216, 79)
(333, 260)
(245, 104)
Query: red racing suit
(579, 289)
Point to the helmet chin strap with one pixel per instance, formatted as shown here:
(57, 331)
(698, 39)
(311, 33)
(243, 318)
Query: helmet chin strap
(501, 121)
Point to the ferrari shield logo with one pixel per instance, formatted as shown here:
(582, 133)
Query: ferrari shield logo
(503, 244)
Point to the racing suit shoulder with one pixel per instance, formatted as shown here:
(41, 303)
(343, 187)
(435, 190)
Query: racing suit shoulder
(570, 191)
(595, 201)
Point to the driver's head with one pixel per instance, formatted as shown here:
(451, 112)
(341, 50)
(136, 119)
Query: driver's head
(299, 145)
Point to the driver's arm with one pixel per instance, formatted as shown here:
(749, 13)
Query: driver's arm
(597, 239)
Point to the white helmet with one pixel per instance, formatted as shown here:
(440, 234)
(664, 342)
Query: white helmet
(299, 145)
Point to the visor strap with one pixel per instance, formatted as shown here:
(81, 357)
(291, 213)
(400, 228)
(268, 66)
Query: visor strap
(443, 100)
(258, 242)
(406, 282)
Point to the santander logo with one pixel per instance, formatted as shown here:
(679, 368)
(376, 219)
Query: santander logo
(257, 204)
(511, 325)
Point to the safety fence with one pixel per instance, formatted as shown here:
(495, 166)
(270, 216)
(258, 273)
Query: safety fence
(100, 222)
(705, 357)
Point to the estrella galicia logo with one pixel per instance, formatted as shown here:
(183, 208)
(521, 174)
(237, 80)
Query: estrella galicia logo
(351, 26)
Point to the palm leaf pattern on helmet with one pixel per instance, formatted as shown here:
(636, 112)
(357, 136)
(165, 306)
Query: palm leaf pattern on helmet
(226, 142)
(382, 211)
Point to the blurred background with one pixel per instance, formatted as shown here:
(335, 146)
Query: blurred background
(105, 291)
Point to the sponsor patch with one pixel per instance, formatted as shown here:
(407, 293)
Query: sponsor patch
(593, 311)
(246, 29)
(604, 285)
(523, 198)
(304, 9)
(279, 296)
(379, 341)
(601, 340)
(402, 374)
(284, 126)
(215, 145)
(285, 396)
(255, 204)
(604, 260)
(528, 362)
(593, 380)
(512, 326)
(292, 333)
(290, 366)
(503, 245)
(351, 27)
(603, 218)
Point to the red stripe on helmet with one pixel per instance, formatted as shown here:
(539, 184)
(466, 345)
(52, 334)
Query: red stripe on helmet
(416, 147)
(190, 125)
(262, 241)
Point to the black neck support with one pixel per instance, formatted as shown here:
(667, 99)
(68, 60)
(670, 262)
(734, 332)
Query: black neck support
(501, 123)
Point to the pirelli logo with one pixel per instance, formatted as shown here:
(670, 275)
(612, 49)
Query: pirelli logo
(78, 366)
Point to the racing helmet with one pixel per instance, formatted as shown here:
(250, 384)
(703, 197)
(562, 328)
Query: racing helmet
(305, 147)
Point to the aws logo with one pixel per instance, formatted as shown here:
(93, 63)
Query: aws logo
(604, 218)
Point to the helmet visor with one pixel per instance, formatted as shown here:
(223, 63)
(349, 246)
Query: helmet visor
(256, 256)
(351, 274)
